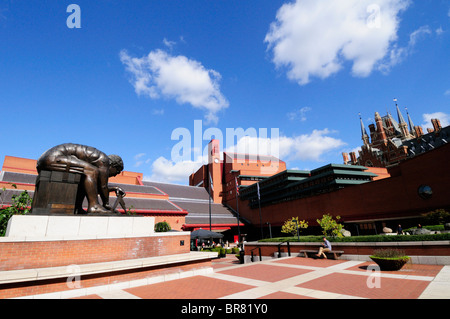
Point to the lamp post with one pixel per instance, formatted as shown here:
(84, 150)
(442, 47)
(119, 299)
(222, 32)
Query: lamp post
(270, 229)
(298, 235)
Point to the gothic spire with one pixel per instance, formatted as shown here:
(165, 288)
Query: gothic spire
(364, 135)
(402, 123)
(401, 120)
(411, 124)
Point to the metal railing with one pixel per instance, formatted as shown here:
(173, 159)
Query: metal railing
(288, 248)
(252, 255)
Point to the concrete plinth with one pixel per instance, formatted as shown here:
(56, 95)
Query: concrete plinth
(36, 226)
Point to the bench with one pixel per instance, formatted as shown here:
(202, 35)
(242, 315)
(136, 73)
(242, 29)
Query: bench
(334, 254)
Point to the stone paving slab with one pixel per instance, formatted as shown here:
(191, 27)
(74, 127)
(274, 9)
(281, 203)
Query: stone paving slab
(300, 278)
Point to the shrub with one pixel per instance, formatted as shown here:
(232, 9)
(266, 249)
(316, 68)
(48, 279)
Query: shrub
(162, 227)
(371, 238)
(330, 227)
(290, 226)
(437, 217)
(389, 259)
(388, 253)
(222, 252)
(20, 206)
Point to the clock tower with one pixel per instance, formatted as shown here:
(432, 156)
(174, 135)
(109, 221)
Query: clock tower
(214, 170)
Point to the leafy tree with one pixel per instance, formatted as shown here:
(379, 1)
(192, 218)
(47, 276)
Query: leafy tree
(330, 227)
(290, 226)
(437, 217)
(162, 227)
(20, 206)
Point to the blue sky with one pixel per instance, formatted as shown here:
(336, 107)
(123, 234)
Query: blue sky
(138, 72)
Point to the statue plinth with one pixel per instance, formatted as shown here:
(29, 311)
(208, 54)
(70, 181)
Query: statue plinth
(57, 193)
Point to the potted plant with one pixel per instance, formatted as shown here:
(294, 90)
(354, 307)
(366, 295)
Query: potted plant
(390, 259)
(222, 253)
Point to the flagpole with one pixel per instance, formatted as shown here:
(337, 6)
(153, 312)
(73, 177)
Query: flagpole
(237, 210)
(260, 217)
(210, 208)
(210, 227)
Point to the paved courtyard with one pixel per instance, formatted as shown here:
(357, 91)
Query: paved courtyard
(297, 278)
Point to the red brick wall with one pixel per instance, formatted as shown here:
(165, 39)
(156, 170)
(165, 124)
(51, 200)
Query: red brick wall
(55, 285)
(394, 197)
(26, 255)
(360, 249)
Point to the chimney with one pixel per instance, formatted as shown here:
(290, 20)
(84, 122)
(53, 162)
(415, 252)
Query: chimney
(380, 128)
(418, 130)
(345, 156)
(436, 125)
(430, 130)
(353, 157)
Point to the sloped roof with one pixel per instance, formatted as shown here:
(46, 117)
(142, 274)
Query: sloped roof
(180, 191)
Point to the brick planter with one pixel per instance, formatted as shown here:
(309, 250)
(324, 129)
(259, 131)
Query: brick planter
(421, 252)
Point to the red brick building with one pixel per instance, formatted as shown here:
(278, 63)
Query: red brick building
(391, 141)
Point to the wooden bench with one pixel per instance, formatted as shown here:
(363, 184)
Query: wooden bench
(334, 254)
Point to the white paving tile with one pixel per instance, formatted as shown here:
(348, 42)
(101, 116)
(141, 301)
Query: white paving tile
(117, 294)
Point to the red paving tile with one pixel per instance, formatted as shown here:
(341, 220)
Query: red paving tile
(265, 272)
(225, 262)
(203, 287)
(355, 285)
(198, 287)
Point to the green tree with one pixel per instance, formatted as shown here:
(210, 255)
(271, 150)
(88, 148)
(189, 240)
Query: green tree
(21, 205)
(290, 226)
(162, 227)
(437, 217)
(330, 227)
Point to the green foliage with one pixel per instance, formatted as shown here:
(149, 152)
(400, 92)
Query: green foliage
(290, 226)
(330, 227)
(130, 211)
(222, 252)
(437, 217)
(20, 206)
(371, 238)
(389, 253)
(162, 227)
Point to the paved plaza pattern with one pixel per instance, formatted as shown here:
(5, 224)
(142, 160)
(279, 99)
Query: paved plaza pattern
(296, 278)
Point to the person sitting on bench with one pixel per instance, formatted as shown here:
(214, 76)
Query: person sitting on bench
(326, 247)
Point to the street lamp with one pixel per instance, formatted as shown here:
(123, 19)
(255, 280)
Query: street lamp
(298, 235)
(270, 229)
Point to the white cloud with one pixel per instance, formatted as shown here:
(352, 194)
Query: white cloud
(164, 170)
(314, 38)
(306, 147)
(299, 114)
(398, 54)
(168, 43)
(444, 118)
(447, 92)
(139, 159)
(158, 112)
(176, 77)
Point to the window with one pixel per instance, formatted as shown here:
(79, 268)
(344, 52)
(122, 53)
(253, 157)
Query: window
(425, 191)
